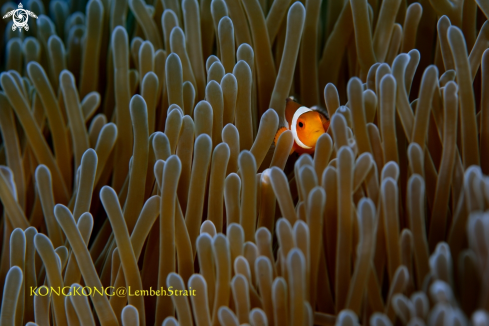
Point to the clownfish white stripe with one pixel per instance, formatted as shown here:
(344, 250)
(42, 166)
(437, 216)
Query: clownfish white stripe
(293, 126)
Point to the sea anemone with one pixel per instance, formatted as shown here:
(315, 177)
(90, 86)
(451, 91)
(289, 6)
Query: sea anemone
(141, 185)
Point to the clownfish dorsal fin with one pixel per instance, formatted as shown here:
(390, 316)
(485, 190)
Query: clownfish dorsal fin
(290, 108)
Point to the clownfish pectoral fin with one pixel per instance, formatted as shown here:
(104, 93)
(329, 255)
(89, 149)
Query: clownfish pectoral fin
(277, 135)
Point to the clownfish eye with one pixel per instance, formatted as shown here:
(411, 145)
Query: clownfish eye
(301, 124)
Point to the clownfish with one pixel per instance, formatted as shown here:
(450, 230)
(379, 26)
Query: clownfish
(306, 124)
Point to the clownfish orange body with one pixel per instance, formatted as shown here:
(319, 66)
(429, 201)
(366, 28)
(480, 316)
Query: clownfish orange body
(306, 124)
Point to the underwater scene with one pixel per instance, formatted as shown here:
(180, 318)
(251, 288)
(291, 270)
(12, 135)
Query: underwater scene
(244, 162)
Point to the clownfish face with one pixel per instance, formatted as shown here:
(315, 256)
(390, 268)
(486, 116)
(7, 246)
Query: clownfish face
(307, 126)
